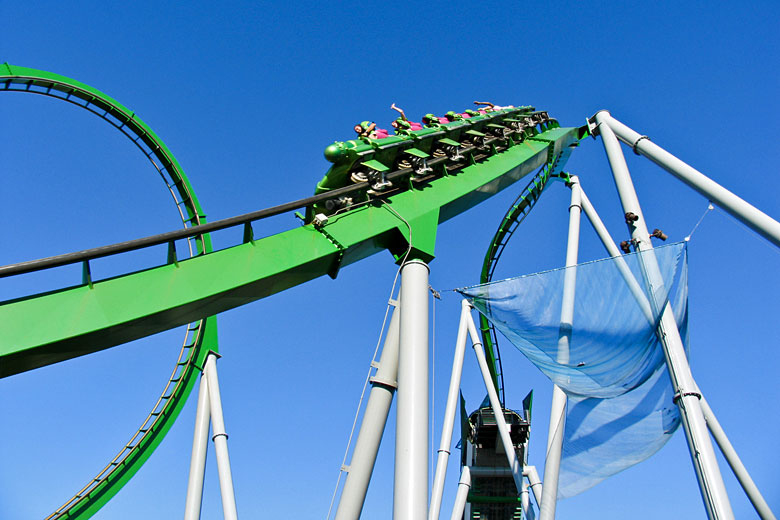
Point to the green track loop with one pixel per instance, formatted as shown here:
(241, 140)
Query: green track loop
(200, 336)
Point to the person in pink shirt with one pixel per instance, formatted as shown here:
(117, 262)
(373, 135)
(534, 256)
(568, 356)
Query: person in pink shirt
(368, 130)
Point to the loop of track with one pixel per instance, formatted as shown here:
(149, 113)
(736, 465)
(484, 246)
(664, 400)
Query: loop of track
(142, 443)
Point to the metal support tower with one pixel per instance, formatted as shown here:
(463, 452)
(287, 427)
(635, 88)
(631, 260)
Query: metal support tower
(209, 408)
(746, 213)
(687, 397)
(410, 497)
(449, 413)
(740, 472)
(552, 463)
(361, 466)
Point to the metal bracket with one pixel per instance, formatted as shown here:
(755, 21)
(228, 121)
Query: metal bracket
(172, 259)
(249, 234)
(637, 142)
(392, 385)
(678, 395)
(593, 127)
(86, 274)
(334, 269)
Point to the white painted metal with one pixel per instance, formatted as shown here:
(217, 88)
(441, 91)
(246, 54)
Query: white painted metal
(535, 482)
(200, 444)
(498, 412)
(449, 413)
(552, 463)
(614, 252)
(410, 497)
(383, 386)
(751, 490)
(463, 492)
(751, 216)
(525, 503)
(711, 484)
(219, 436)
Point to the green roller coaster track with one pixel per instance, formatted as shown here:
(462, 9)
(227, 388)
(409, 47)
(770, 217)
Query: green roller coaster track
(344, 223)
(200, 336)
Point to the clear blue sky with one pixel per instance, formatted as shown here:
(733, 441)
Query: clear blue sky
(248, 94)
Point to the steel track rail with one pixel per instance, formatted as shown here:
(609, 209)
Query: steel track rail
(512, 219)
(158, 421)
(217, 225)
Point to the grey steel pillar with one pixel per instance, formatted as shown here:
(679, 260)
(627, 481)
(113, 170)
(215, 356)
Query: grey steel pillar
(200, 444)
(449, 412)
(463, 492)
(219, 436)
(525, 503)
(410, 496)
(552, 465)
(687, 397)
(730, 454)
(534, 482)
(748, 214)
(383, 386)
(614, 252)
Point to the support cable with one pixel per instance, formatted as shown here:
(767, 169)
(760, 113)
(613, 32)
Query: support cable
(390, 303)
(710, 207)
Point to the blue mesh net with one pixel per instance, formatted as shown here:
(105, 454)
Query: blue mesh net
(620, 408)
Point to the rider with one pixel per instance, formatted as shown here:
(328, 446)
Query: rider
(368, 130)
(402, 124)
(490, 106)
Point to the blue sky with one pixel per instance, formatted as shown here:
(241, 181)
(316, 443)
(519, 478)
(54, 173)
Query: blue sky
(248, 94)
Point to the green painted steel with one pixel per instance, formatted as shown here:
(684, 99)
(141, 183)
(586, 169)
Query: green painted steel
(201, 336)
(519, 209)
(84, 319)
(478, 499)
(516, 213)
(92, 317)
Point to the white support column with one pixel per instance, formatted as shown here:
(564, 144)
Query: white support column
(525, 502)
(463, 492)
(410, 496)
(200, 444)
(219, 436)
(535, 482)
(730, 454)
(449, 413)
(552, 465)
(614, 252)
(495, 404)
(748, 214)
(372, 427)
(711, 484)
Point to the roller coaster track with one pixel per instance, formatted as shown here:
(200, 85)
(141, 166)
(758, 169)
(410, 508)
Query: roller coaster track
(514, 216)
(174, 395)
(100, 314)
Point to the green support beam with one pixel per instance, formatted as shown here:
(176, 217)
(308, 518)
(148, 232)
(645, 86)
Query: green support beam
(72, 322)
(55, 326)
